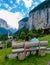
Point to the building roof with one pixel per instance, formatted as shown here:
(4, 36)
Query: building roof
(24, 19)
(43, 5)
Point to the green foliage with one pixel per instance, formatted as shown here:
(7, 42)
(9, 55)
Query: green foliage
(3, 37)
(30, 60)
(3, 42)
(9, 44)
(40, 33)
(22, 35)
(31, 33)
(6, 57)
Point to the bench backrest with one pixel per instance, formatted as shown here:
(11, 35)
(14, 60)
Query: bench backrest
(30, 44)
(18, 45)
(36, 44)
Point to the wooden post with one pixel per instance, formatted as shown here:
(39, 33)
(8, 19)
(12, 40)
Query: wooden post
(41, 52)
(24, 49)
(39, 49)
(6, 49)
(21, 56)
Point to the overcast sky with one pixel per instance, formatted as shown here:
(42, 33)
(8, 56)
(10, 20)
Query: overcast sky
(14, 10)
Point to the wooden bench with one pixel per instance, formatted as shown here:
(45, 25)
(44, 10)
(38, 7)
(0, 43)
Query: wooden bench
(22, 48)
(1, 47)
(19, 49)
(18, 45)
(40, 47)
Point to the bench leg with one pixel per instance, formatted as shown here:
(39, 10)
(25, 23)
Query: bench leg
(21, 56)
(27, 53)
(41, 52)
(33, 52)
(37, 51)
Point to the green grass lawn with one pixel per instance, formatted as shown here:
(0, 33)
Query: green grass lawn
(31, 60)
(45, 38)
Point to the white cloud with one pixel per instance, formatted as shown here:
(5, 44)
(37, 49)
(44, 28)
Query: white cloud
(18, 15)
(18, 1)
(28, 3)
(14, 6)
(42, 0)
(11, 18)
(36, 3)
(11, 1)
(0, 4)
(21, 4)
(6, 5)
(32, 8)
(1, 0)
(10, 8)
(23, 12)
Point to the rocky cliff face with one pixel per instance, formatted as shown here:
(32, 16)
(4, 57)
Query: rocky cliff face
(23, 23)
(4, 28)
(40, 18)
(3, 24)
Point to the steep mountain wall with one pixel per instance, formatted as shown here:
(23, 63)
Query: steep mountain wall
(39, 17)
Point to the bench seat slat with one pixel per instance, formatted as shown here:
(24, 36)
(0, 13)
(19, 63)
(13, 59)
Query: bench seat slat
(18, 50)
(30, 49)
(36, 48)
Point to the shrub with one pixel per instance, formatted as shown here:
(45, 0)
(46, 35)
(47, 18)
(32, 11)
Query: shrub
(9, 44)
(3, 42)
(3, 37)
(6, 57)
(22, 35)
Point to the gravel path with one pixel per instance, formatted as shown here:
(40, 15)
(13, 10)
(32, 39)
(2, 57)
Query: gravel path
(13, 42)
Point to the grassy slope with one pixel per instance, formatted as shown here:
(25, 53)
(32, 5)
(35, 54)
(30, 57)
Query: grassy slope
(31, 60)
(47, 38)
